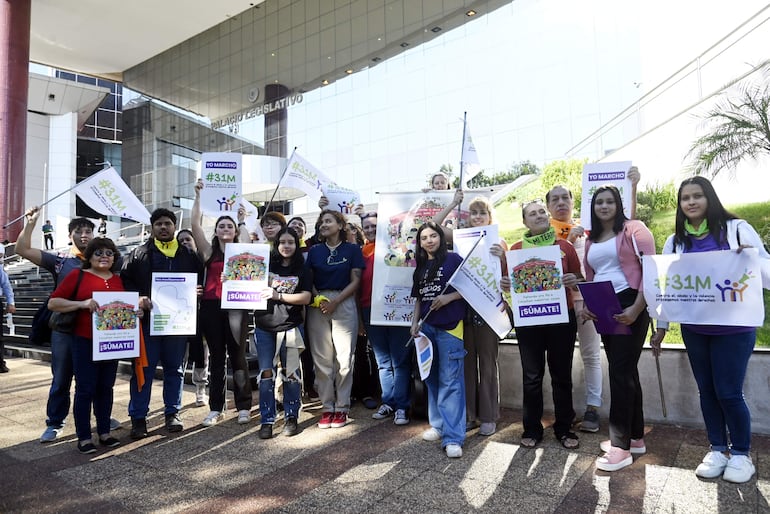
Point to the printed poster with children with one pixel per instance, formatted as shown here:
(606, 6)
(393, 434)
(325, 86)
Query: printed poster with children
(115, 326)
(245, 275)
(538, 295)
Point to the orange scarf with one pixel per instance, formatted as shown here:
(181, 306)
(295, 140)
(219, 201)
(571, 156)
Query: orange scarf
(562, 228)
(368, 250)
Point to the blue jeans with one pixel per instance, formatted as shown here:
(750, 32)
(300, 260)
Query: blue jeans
(719, 364)
(169, 350)
(94, 381)
(393, 361)
(266, 342)
(446, 386)
(61, 368)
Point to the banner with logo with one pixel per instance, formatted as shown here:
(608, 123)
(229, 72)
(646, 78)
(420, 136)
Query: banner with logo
(539, 297)
(115, 326)
(245, 276)
(106, 193)
(597, 174)
(399, 217)
(478, 279)
(302, 175)
(222, 176)
(705, 288)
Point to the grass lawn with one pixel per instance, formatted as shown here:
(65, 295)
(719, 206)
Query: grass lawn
(508, 217)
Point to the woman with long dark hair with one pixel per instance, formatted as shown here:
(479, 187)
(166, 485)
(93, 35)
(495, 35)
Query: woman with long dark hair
(278, 331)
(613, 253)
(718, 354)
(222, 328)
(336, 266)
(441, 310)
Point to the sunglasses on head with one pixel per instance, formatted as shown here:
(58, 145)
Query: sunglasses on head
(368, 215)
(104, 252)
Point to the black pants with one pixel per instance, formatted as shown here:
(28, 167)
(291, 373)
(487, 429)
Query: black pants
(554, 344)
(623, 352)
(223, 333)
(48, 240)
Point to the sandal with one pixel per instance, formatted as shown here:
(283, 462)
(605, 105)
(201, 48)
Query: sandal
(529, 442)
(569, 440)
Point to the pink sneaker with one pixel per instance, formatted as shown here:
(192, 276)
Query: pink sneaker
(637, 446)
(615, 459)
(326, 420)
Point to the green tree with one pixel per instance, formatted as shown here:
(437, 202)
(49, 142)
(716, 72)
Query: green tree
(737, 127)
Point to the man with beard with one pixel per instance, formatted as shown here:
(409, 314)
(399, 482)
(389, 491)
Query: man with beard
(161, 253)
(81, 231)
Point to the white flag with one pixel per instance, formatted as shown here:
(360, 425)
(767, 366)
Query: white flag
(469, 159)
(106, 193)
(302, 175)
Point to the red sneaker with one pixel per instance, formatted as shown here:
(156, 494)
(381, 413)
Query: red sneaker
(340, 420)
(326, 420)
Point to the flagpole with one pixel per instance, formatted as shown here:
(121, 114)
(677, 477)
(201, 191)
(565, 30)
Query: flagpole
(660, 379)
(57, 196)
(462, 164)
(275, 191)
(446, 286)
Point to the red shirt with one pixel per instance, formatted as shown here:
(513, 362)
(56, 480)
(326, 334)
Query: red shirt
(212, 289)
(90, 284)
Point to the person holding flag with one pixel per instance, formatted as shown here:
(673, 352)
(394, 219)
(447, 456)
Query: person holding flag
(553, 344)
(482, 389)
(438, 315)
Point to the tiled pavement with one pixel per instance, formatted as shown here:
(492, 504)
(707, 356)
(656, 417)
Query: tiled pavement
(368, 466)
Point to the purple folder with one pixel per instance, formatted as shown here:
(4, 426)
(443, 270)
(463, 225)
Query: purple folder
(600, 299)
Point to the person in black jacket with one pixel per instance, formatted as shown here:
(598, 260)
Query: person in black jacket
(161, 253)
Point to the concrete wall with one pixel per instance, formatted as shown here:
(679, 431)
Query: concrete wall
(681, 392)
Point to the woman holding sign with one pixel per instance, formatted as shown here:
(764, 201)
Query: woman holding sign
(613, 253)
(552, 343)
(482, 389)
(718, 355)
(438, 314)
(222, 328)
(93, 379)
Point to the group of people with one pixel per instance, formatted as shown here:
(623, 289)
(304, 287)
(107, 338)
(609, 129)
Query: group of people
(320, 300)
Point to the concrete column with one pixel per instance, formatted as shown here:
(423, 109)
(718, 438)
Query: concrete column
(275, 122)
(15, 19)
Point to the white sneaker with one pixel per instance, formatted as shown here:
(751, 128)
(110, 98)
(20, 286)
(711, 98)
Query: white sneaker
(454, 451)
(401, 418)
(712, 466)
(637, 446)
(431, 435)
(244, 417)
(212, 419)
(201, 398)
(739, 469)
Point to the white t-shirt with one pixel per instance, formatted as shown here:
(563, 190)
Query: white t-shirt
(603, 258)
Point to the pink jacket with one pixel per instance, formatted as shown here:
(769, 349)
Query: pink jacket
(634, 241)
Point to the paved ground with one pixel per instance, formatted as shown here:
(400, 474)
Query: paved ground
(368, 466)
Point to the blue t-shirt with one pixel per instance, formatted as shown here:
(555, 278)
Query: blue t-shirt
(331, 268)
(430, 285)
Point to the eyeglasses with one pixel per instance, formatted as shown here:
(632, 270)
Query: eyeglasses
(104, 253)
(372, 214)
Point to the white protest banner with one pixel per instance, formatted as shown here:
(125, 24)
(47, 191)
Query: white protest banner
(222, 178)
(399, 217)
(340, 198)
(174, 304)
(302, 175)
(705, 288)
(115, 326)
(106, 193)
(245, 276)
(601, 173)
(539, 297)
(478, 279)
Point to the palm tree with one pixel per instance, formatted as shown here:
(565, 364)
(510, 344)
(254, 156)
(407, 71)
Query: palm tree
(738, 126)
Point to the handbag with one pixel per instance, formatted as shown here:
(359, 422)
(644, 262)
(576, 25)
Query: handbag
(65, 321)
